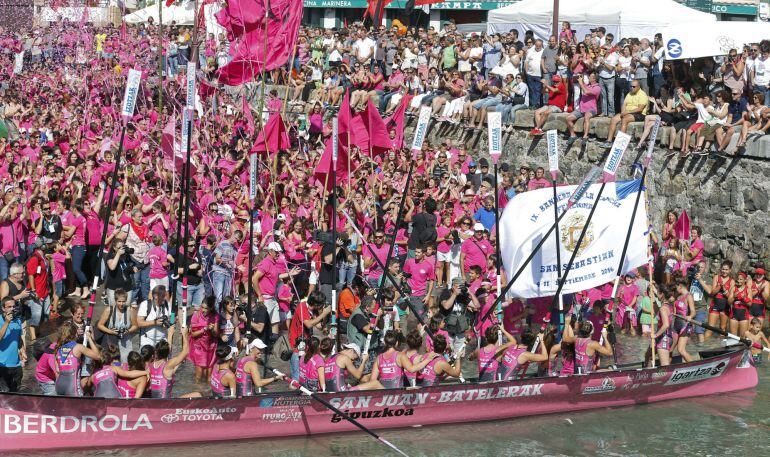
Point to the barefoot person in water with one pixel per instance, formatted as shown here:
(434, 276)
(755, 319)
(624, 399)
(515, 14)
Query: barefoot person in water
(755, 335)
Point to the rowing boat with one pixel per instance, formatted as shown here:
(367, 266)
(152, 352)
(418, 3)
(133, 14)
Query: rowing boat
(35, 422)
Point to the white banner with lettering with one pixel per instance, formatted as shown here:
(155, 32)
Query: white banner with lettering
(529, 216)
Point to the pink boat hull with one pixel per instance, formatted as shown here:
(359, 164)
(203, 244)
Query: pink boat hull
(29, 422)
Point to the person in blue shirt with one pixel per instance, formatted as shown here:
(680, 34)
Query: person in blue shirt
(12, 352)
(486, 214)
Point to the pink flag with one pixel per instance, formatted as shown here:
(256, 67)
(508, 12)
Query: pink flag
(379, 141)
(396, 121)
(273, 137)
(682, 226)
(241, 16)
(247, 115)
(323, 169)
(250, 57)
(168, 138)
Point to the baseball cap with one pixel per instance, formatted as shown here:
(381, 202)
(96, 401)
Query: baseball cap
(483, 163)
(273, 246)
(281, 217)
(354, 347)
(478, 227)
(760, 271)
(257, 343)
(469, 193)
(631, 274)
(472, 164)
(556, 78)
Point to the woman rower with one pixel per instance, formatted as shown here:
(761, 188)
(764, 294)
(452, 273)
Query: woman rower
(684, 305)
(585, 347)
(487, 356)
(664, 339)
(106, 371)
(162, 369)
(761, 293)
(222, 379)
(721, 286)
(413, 344)
(515, 357)
(390, 366)
(566, 352)
(311, 366)
(67, 354)
(740, 299)
(437, 367)
(247, 375)
(338, 366)
(133, 388)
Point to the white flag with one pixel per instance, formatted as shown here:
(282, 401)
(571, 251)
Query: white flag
(529, 216)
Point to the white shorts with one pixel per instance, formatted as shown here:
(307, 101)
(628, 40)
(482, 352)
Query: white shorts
(444, 256)
(272, 309)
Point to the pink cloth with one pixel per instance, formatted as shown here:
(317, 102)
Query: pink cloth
(202, 348)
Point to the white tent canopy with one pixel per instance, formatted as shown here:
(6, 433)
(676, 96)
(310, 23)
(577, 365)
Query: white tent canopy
(622, 18)
(181, 14)
(690, 41)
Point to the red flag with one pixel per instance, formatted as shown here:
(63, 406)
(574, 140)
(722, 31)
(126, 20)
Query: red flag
(247, 115)
(205, 90)
(396, 121)
(375, 10)
(273, 137)
(169, 3)
(682, 226)
(251, 57)
(379, 141)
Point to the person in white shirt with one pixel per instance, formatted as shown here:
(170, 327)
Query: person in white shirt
(606, 72)
(154, 317)
(761, 71)
(534, 70)
(363, 48)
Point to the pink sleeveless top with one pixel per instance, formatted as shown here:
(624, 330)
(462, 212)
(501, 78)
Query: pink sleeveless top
(334, 375)
(160, 387)
(411, 378)
(391, 375)
(217, 386)
(582, 359)
(510, 367)
(488, 364)
(124, 386)
(427, 376)
(244, 385)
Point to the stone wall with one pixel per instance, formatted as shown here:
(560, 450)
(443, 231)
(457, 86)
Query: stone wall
(727, 196)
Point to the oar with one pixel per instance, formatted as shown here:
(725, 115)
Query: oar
(344, 415)
(729, 335)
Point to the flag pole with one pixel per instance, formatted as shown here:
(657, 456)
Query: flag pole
(552, 138)
(336, 315)
(494, 138)
(129, 103)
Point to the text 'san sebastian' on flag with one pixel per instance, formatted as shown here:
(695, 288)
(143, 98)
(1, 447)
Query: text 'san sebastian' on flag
(528, 217)
(253, 54)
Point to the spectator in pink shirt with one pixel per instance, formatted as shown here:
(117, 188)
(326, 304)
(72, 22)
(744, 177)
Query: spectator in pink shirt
(380, 249)
(421, 277)
(539, 181)
(474, 251)
(265, 281)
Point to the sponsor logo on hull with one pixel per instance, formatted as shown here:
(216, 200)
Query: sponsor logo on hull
(699, 373)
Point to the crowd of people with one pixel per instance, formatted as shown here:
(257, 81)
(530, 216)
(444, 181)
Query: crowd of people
(399, 297)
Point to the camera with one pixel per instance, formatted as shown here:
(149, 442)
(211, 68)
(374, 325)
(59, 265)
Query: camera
(164, 321)
(18, 310)
(128, 250)
(120, 333)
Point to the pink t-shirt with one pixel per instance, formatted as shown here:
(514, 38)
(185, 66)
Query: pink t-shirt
(59, 271)
(382, 253)
(79, 222)
(443, 246)
(156, 256)
(476, 253)
(697, 245)
(627, 293)
(421, 272)
(589, 98)
(270, 269)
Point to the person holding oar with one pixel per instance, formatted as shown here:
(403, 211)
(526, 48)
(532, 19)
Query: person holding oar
(585, 348)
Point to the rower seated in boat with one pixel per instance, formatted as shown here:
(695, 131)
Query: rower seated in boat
(585, 348)
(222, 379)
(67, 360)
(337, 367)
(247, 375)
(106, 371)
(514, 356)
(437, 368)
(390, 366)
(162, 369)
